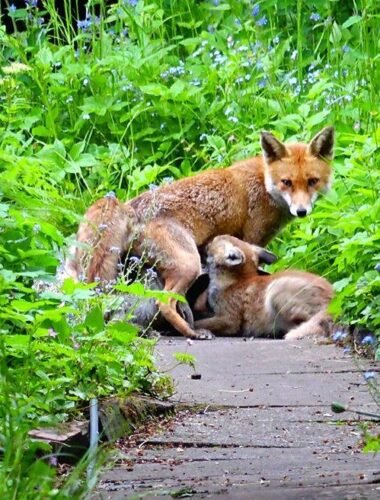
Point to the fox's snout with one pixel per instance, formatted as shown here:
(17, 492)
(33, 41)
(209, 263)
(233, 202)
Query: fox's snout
(301, 212)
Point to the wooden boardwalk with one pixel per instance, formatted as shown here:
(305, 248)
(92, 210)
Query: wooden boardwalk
(260, 427)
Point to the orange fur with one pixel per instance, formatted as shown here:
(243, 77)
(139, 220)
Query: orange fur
(168, 225)
(291, 302)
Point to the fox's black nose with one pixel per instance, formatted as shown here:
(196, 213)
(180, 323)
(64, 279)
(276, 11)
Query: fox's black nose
(301, 212)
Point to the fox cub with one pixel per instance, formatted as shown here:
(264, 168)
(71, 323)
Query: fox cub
(290, 302)
(253, 199)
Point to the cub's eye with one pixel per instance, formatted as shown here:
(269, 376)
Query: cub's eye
(313, 181)
(286, 182)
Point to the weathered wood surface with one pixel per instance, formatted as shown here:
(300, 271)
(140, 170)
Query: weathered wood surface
(263, 428)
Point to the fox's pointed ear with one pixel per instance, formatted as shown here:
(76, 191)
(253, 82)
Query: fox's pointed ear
(272, 148)
(233, 256)
(322, 145)
(266, 257)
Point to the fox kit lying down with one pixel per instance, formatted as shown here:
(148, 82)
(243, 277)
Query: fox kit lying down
(291, 302)
(252, 199)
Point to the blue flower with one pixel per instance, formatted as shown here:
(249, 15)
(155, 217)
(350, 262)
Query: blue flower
(345, 48)
(315, 17)
(337, 335)
(368, 339)
(256, 10)
(377, 267)
(132, 3)
(83, 25)
(263, 21)
(31, 3)
(110, 194)
(370, 375)
(12, 8)
(262, 83)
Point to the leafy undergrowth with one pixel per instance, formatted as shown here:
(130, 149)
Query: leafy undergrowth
(143, 92)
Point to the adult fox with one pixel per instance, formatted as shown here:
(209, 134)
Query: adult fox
(252, 200)
(288, 302)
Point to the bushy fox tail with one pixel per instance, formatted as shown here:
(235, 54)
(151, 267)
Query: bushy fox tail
(100, 241)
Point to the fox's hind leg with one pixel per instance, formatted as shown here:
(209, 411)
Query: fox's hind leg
(100, 241)
(318, 326)
(173, 250)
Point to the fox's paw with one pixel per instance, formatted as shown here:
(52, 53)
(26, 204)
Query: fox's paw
(293, 335)
(203, 334)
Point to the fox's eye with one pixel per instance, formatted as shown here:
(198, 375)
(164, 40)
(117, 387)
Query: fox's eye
(313, 181)
(286, 182)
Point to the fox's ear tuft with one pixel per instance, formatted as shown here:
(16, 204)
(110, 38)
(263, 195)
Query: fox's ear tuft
(233, 256)
(322, 145)
(272, 148)
(266, 257)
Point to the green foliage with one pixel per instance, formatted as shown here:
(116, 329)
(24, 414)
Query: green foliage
(147, 92)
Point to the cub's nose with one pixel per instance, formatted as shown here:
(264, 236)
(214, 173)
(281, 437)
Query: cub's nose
(301, 212)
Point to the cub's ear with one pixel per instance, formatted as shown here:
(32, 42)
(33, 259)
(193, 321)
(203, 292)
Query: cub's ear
(272, 148)
(266, 257)
(322, 144)
(233, 256)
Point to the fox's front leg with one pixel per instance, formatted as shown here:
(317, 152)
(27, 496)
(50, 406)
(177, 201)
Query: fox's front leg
(220, 325)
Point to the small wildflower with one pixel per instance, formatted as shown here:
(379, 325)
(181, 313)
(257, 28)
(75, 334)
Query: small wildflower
(132, 3)
(216, 2)
(85, 82)
(259, 65)
(276, 40)
(83, 25)
(263, 21)
(345, 48)
(370, 375)
(377, 267)
(31, 3)
(347, 350)
(294, 55)
(368, 339)
(167, 180)
(12, 8)
(52, 333)
(85, 116)
(53, 461)
(256, 10)
(338, 335)
(97, 279)
(293, 81)
(153, 187)
(135, 260)
(262, 83)
(69, 99)
(315, 17)
(120, 266)
(110, 194)
(36, 228)
(115, 250)
(76, 345)
(233, 119)
(102, 227)
(203, 137)
(151, 274)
